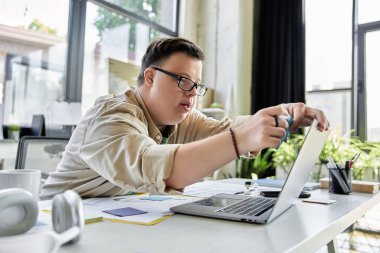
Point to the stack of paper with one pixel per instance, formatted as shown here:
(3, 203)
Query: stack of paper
(147, 209)
(136, 209)
(151, 209)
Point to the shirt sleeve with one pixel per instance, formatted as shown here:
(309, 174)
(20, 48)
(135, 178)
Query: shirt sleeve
(118, 147)
(197, 126)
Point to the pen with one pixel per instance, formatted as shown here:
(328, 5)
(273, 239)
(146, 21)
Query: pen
(331, 161)
(353, 160)
(356, 157)
(347, 165)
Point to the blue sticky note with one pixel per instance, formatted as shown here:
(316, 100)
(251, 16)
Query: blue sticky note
(127, 211)
(155, 198)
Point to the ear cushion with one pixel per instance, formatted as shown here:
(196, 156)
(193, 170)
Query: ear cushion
(18, 211)
(67, 213)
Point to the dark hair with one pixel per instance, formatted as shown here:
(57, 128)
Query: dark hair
(161, 49)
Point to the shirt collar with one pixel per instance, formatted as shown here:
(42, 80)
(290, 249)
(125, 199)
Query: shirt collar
(152, 128)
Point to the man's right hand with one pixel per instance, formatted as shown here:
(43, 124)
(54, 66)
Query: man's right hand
(260, 130)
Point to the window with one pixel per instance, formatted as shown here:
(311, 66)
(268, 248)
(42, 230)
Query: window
(336, 103)
(33, 52)
(117, 35)
(368, 11)
(346, 95)
(328, 59)
(73, 54)
(372, 83)
(162, 12)
(368, 78)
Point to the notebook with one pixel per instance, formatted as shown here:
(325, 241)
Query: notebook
(260, 209)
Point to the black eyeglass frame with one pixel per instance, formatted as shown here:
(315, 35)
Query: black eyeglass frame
(179, 78)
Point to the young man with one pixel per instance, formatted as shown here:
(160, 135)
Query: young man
(149, 139)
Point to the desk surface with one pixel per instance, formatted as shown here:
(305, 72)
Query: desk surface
(8, 148)
(305, 227)
(8, 151)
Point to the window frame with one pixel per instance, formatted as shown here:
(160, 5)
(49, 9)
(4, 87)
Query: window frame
(76, 37)
(362, 30)
(359, 119)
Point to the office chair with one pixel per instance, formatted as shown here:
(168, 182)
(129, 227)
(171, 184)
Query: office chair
(40, 153)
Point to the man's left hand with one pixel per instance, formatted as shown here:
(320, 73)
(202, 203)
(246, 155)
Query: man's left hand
(304, 115)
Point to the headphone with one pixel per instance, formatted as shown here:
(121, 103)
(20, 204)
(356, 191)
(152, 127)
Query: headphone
(19, 213)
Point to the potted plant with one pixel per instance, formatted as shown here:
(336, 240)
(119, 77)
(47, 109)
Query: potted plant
(13, 132)
(285, 155)
(340, 148)
(367, 166)
(254, 168)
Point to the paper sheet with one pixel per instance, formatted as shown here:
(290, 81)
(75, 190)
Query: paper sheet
(156, 210)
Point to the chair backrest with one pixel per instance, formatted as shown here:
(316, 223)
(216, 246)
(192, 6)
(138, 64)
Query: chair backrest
(40, 153)
(38, 125)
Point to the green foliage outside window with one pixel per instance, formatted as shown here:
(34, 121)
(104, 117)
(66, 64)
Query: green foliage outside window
(37, 25)
(107, 20)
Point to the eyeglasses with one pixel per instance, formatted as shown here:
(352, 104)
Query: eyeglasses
(185, 83)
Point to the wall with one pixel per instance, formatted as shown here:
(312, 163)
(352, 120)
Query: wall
(223, 28)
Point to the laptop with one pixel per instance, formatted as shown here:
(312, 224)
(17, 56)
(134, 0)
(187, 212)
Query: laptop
(261, 209)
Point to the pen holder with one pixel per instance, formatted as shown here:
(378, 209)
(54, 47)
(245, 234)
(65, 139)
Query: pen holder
(340, 181)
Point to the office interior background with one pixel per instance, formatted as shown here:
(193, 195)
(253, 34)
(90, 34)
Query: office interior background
(57, 57)
(79, 50)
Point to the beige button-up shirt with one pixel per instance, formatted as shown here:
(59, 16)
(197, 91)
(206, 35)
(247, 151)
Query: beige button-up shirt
(116, 149)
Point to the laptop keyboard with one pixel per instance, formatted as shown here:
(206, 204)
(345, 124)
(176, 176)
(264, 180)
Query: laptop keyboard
(250, 206)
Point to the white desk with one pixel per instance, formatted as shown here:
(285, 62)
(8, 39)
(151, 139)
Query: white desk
(8, 151)
(303, 228)
(8, 148)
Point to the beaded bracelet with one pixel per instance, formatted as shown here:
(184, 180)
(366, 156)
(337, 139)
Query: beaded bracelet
(235, 144)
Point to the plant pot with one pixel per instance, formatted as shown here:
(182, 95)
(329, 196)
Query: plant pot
(282, 172)
(14, 135)
(369, 175)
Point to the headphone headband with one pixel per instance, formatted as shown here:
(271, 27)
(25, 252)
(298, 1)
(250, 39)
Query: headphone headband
(18, 211)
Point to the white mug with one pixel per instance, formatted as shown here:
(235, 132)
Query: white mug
(29, 180)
